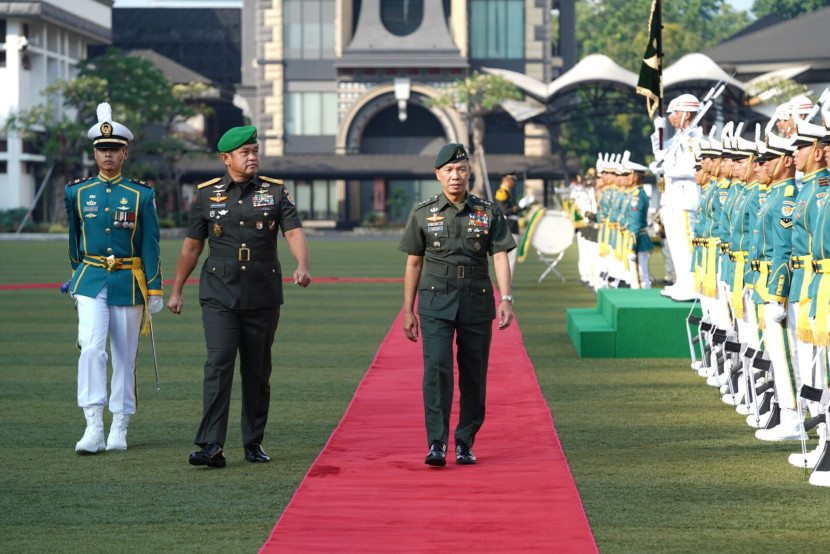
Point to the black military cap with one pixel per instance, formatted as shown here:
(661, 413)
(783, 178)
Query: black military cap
(452, 152)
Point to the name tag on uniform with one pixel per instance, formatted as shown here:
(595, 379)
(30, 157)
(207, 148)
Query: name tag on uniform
(90, 208)
(261, 200)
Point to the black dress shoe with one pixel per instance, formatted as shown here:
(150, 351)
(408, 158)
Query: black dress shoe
(464, 455)
(255, 454)
(437, 454)
(210, 455)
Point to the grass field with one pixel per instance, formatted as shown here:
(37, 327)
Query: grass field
(661, 464)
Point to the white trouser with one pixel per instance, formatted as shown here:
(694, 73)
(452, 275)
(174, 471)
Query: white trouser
(511, 256)
(808, 374)
(640, 276)
(588, 253)
(750, 321)
(779, 339)
(123, 323)
(679, 226)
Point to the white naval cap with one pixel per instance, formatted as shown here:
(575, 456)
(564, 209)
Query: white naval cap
(684, 103)
(800, 105)
(108, 133)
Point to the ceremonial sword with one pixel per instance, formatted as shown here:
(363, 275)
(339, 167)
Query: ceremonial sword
(155, 360)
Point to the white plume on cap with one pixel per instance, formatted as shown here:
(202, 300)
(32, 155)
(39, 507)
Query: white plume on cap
(104, 112)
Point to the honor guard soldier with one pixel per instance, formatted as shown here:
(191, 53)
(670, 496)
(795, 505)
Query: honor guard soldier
(448, 238)
(680, 198)
(809, 160)
(240, 289)
(116, 280)
(639, 244)
(770, 256)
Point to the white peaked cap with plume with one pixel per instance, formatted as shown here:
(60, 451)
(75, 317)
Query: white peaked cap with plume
(108, 133)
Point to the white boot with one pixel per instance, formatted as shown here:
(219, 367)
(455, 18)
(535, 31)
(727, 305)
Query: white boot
(118, 432)
(93, 439)
(811, 458)
(789, 429)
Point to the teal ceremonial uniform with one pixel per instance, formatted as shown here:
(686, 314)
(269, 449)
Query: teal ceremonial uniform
(113, 218)
(240, 291)
(637, 221)
(455, 297)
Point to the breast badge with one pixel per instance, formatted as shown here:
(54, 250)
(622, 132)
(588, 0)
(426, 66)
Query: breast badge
(217, 230)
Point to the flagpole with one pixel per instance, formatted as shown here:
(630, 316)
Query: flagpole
(659, 15)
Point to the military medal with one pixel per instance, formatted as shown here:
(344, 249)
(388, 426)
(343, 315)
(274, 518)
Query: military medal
(217, 230)
(272, 225)
(259, 225)
(477, 246)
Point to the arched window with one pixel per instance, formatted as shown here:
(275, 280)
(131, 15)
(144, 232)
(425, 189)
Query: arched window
(401, 17)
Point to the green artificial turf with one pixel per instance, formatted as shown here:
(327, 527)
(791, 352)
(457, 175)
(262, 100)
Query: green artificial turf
(661, 464)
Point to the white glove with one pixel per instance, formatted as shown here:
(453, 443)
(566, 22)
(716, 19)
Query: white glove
(775, 310)
(155, 304)
(659, 123)
(526, 201)
(655, 145)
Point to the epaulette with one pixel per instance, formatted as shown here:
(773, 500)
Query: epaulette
(142, 183)
(478, 200)
(78, 181)
(789, 191)
(208, 183)
(428, 201)
(270, 180)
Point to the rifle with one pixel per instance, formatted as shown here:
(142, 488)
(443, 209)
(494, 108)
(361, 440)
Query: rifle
(824, 98)
(708, 100)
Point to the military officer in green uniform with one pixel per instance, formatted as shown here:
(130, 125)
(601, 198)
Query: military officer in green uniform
(448, 238)
(116, 280)
(240, 289)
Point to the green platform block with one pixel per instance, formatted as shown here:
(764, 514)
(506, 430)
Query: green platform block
(645, 325)
(591, 334)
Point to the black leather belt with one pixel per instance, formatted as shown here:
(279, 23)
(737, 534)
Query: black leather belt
(243, 254)
(460, 271)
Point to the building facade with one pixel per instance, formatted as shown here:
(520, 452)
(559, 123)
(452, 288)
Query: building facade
(355, 79)
(42, 41)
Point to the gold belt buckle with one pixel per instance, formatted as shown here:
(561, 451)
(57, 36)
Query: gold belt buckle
(111, 263)
(244, 254)
(460, 272)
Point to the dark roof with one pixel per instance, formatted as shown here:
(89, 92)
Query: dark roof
(370, 166)
(174, 72)
(798, 40)
(767, 21)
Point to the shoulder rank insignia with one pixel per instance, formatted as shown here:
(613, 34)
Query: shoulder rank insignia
(789, 191)
(270, 180)
(786, 222)
(78, 181)
(208, 183)
(142, 183)
(428, 201)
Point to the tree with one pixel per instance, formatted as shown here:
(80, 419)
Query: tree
(788, 9)
(475, 97)
(141, 97)
(619, 28)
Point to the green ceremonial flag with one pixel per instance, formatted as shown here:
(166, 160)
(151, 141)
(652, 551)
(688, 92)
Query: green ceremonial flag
(649, 83)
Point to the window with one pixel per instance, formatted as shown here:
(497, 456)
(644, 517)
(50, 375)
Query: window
(311, 113)
(3, 40)
(316, 200)
(497, 29)
(401, 17)
(309, 29)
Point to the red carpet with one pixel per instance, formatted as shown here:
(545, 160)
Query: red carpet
(369, 490)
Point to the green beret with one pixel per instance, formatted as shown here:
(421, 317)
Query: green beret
(452, 152)
(236, 137)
